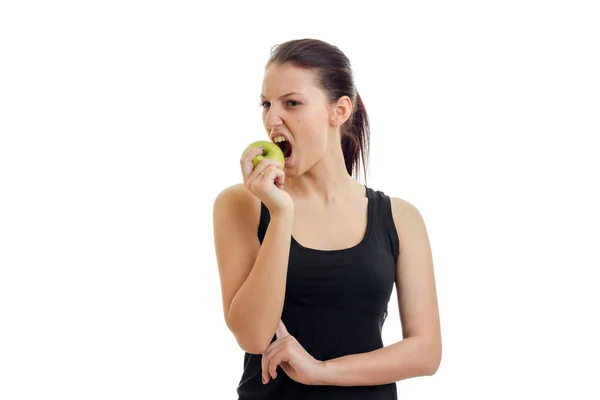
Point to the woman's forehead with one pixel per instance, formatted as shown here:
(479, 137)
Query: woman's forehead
(287, 79)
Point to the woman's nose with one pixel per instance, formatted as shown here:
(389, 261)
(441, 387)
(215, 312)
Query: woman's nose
(272, 119)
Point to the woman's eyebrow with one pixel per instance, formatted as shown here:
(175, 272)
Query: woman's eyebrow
(262, 96)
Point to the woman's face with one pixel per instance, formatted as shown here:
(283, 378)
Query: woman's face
(297, 110)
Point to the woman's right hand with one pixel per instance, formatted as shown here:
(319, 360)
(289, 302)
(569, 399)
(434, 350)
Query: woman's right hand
(266, 182)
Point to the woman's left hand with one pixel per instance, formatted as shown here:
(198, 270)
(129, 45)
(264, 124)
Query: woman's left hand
(287, 353)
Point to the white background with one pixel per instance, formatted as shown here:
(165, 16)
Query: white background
(120, 122)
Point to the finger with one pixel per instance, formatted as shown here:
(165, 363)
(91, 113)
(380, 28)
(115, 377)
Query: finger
(281, 330)
(275, 360)
(258, 173)
(253, 152)
(263, 165)
(272, 174)
(250, 155)
(273, 367)
(280, 179)
(265, 377)
(273, 348)
(267, 355)
(265, 360)
(257, 177)
(270, 161)
(246, 160)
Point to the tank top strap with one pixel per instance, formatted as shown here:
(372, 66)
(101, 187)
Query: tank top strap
(383, 219)
(265, 217)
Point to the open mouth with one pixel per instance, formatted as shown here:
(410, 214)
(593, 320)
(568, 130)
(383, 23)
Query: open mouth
(285, 147)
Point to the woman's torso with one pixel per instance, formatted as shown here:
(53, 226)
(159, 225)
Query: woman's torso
(335, 302)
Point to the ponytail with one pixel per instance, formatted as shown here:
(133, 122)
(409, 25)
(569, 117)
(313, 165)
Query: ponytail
(355, 140)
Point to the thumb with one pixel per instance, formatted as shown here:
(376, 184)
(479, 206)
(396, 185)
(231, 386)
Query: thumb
(281, 330)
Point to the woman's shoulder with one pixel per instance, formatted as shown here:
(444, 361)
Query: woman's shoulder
(399, 205)
(235, 201)
(407, 217)
(237, 191)
(403, 210)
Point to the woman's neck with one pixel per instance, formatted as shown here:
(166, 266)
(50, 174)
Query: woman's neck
(327, 181)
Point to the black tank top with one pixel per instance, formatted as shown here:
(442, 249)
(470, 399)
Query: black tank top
(335, 305)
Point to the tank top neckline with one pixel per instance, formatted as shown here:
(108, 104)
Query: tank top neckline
(364, 240)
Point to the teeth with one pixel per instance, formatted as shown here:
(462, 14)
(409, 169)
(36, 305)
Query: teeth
(279, 139)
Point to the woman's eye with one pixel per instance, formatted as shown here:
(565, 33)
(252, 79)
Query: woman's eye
(289, 103)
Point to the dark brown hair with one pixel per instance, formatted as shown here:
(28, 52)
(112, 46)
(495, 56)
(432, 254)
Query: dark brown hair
(335, 77)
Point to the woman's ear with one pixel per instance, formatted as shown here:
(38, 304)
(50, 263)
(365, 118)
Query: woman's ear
(340, 111)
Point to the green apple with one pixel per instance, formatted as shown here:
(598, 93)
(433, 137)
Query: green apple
(270, 151)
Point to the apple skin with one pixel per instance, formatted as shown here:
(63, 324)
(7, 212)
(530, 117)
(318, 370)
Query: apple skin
(271, 151)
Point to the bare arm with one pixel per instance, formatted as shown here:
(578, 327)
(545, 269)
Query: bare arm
(253, 277)
(420, 352)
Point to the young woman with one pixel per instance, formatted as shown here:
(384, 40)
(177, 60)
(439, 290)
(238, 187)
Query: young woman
(308, 257)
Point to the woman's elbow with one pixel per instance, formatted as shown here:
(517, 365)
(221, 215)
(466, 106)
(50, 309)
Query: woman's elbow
(435, 358)
(250, 342)
(251, 345)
